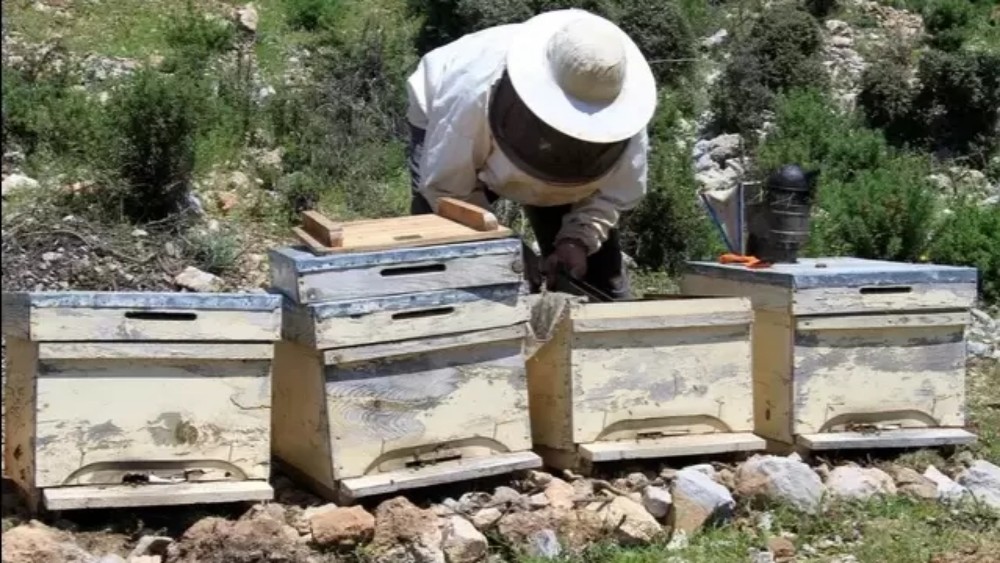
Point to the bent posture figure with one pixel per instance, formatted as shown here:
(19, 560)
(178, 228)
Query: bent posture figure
(550, 113)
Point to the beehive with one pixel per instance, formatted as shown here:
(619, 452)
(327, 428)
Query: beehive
(132, 399)
(401, 368)
(648, 379)
(852, 353)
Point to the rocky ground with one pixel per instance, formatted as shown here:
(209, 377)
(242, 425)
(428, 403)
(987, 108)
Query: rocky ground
(535, 515)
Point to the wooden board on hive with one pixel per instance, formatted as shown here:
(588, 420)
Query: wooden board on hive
(455, 221)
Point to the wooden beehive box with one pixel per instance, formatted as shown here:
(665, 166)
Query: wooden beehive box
(644, 379)
(378, 418)
(134, 399)
(852, 353)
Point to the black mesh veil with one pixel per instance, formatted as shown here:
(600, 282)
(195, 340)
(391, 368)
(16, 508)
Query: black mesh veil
(540, 150)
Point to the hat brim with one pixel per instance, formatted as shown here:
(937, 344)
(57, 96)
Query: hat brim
(531, 76)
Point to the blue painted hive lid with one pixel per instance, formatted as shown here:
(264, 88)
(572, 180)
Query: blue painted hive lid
(810, 273)
(145, 300)
(301, 261)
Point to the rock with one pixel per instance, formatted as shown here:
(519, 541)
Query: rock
(560, 494)
(705, 163)
(678, 540)
(850, 482)
(196, 280)
(406, 534)
(782, 548)
(761, 556)
(544, 544)
(473, 501)
(140, 233)
(151, 545)
(838, 27)
(537, 501)
(982, 479)
(636, 481)
(238, 181)
(217, 540)
(16, 182)
(725, 146)
(717, 179)
(628, 521)
(115, 558)
(911, 483)
(486, 518)
(269, 509)
(717, 39)
(342, 526)
(226, 201)
(657, 501)
(51, 256)
(726, 478)
(780, 478)
(35, 542)
(583, 488)
(698, 500)
(705, 469)
(271, 160)
(517, 528)
(462, 542)
(247, 17)
(506, 496)
(842, 42)
(941, 181)
(947, 490)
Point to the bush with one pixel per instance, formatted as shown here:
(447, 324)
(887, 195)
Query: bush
(216, 253)
(947, 22)
(886, 100)
(662, 34)
(311, 15)
(968, 237)
(822, 8)
(872, 202)
(780, 53)
(195, 40)
(156, 118)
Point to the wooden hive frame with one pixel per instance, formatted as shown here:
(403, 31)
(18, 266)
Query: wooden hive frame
(852, 354)
(125, 400)
(619, 381)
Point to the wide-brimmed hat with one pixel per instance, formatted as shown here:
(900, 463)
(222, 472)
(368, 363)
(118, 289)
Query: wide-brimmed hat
(582, 75)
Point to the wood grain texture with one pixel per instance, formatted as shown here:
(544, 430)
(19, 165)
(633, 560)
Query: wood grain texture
(325, 231)
(20, 402)
(904, 438)
(92, 413)
(300, 431)
(144, 350)
(127, 496)
(467, 214)
(773, 346)
(396, 318)
(341, 356)
(891, 321)
(446, 472)
(673, 446)
(384, 410)
(407, 232)
(104, 325)
(641, 372)
(907, 376)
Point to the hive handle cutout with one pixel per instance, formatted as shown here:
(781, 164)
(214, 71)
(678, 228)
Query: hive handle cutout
(886, 290)
(413, 270)
(159, 316)
(439, 312)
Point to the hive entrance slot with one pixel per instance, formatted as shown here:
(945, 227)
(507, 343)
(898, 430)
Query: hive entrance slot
(440, 311)
(159, 316)
(886, 290)
(417, 463)
(413, 270)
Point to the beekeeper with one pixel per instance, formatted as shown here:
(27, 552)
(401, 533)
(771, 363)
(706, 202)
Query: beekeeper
(550, 113)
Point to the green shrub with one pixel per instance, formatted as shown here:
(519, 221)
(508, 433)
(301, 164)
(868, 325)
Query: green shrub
(476, 15)
(195, 40)
(311, 15)
(669, 226)
(50, 119)
(872, 202)
(155, 120)
(822, 8)
(781, 52)
(968, 237)
(662, 34)
(886, 99)
(947, 22)
(214, 252)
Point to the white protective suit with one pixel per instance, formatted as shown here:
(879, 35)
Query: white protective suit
(448, 97)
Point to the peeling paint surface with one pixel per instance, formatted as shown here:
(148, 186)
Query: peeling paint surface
(917, 371)
(107, 411)
(376, 407)
(652, 374)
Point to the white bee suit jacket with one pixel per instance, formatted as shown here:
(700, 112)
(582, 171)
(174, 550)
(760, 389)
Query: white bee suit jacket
(449, 97)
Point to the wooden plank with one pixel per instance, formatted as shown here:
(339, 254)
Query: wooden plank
(89, 419)
(657, 323)
(467, 214)
(325, 231)
(128, 496)
(550, 389)
(310, 241)
(762, 296)
(903, 438)
(843, 300)
(164, 350)
(103, 325)
(673, 446)
(900, 320)
(772, 339)
(424, 345)
(20, 402)
(408, 232)
(418, 277)
(438, 474)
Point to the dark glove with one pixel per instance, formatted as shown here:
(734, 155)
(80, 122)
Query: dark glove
(569, 256)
